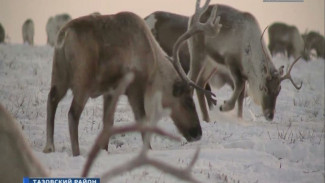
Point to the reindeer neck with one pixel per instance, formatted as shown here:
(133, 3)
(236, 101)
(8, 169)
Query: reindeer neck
(255, 70)
(162, 81)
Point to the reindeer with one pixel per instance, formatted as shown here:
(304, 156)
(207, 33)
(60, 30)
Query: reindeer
(239, 47)
(314, 40)
(167, 28)
(286, 39)
(2, 34)
(28, 32)
(92, 55)
(53, 25)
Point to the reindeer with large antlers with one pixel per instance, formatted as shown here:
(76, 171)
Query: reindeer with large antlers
(239, 47)
(167, 27)
(93, 54)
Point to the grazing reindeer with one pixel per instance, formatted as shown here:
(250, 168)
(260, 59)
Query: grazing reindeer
(28, 32)
(16, 158)
(314, 40)
(167, 28)
(286, 39)
(92, 55)
(2, 34)
(53, 25)
(238, 46)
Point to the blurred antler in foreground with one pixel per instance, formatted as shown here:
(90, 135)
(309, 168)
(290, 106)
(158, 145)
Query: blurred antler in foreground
(142, 159)
(149, 125)
(16, 157)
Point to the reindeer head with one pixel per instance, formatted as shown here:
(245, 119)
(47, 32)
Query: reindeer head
(271, 87)
(184, 112)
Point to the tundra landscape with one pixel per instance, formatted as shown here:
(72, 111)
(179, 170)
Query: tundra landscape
(264, 128)
(288, 149)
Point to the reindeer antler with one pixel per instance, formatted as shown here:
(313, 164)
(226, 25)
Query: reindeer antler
(142, 159)
(288, 75)
(156, 114)
(106, 134)
(268, 74)
(200, 11)
(210, 28)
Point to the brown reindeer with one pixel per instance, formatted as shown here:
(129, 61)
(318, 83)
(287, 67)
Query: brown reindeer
(315, 41)
(239, 47)
(286, 39)
(53, 25)
(92, 55)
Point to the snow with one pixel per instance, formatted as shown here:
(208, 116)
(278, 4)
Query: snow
(288, 149)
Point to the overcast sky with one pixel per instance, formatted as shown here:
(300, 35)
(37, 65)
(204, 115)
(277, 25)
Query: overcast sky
(305, 15)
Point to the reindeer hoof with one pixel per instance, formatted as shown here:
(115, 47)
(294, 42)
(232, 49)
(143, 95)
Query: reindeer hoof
(227, 106)
(211, 106)
(48, 149)
(207, 119)
(214, 102)
(105, 147)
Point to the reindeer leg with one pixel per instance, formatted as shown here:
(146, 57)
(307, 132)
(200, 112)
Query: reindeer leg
(56, 93)
(240, 102)
(136, 100)
(110, 103)
(239, 85)
(201, 99)
(77, 106)
(107, 123)
(203, 78)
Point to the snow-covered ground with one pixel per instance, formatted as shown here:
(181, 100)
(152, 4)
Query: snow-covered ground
(288, 149)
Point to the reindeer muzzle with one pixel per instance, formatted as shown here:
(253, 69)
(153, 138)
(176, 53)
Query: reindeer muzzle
(194, 134)
(269, 115)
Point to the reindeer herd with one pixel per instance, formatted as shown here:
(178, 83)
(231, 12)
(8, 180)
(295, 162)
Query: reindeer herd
(53, 26)
(171, 54)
